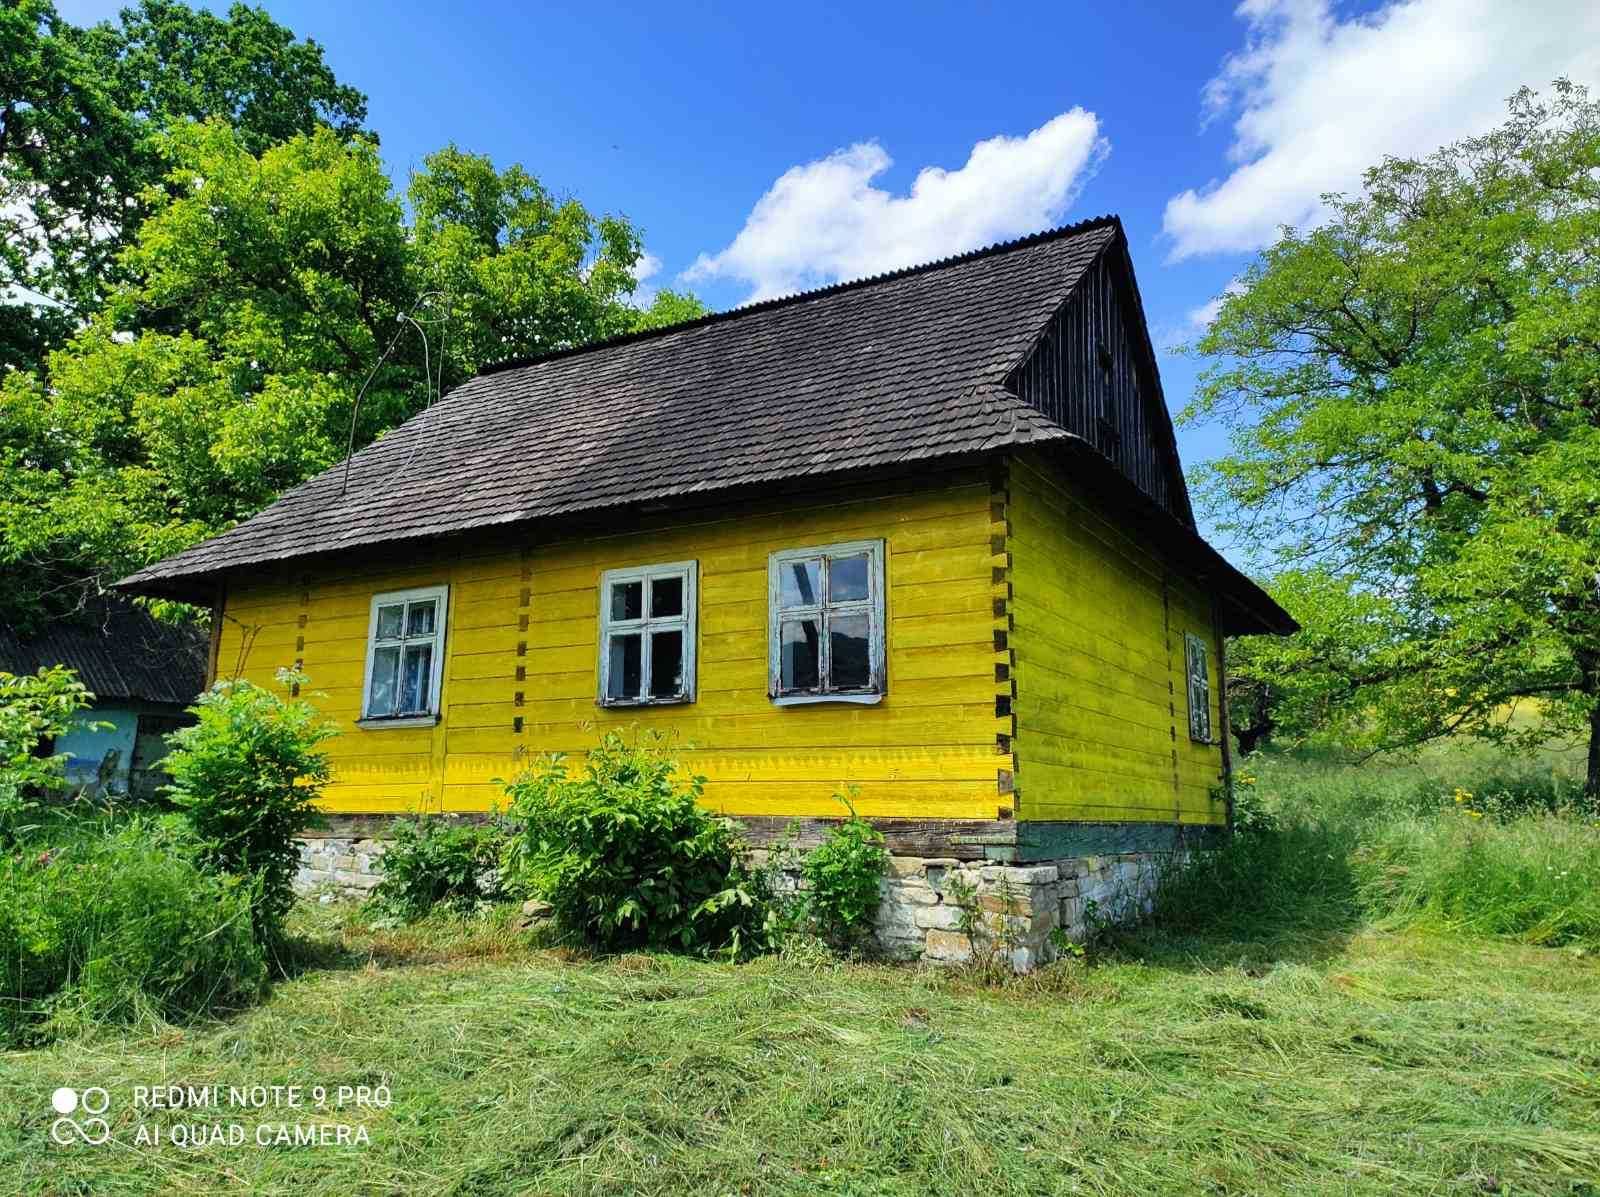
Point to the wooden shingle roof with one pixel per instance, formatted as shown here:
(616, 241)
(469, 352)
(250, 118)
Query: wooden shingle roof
(902, 367)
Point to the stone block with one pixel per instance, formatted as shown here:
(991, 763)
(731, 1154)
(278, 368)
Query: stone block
(943, 917)
(948, 945)
(999, 904)
(910, 895)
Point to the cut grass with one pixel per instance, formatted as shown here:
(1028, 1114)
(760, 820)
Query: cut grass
(1317, 1061)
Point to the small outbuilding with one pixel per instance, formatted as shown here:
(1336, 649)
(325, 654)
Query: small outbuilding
(143, 673)
(925, 534)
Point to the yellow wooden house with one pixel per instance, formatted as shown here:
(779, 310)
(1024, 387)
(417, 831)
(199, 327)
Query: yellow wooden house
(925, 534)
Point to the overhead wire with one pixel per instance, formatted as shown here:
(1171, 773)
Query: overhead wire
(432, 388)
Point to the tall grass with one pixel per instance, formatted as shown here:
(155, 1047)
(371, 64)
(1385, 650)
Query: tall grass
(1535, 878)
(112, 921)
(1460, 840)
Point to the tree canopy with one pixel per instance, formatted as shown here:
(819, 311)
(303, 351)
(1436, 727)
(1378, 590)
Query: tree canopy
(272, 272)
(83, 114)
(1413, 395)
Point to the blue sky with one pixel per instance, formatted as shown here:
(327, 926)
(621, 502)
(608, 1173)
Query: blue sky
(778, 146)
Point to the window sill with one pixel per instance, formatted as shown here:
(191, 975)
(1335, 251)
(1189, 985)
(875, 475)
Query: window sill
(808, 700)
(624, 704)
(401, 721)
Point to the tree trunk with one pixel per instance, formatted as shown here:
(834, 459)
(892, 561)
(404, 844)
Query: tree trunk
(1591, 787)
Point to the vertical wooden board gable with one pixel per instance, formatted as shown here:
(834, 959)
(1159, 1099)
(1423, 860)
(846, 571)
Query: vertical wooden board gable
(520, 663)
(1090, 372)
(1099, 625)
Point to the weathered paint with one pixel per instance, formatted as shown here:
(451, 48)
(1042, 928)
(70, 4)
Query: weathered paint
(520, 653)
(94, 735)
(1096, 634)
(102, 745)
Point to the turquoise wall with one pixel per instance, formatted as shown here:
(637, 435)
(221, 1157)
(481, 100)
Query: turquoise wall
(85, 746)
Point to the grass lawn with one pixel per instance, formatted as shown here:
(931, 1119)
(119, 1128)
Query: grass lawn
(1322, 1061)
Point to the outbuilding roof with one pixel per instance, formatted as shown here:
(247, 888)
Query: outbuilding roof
(118, 650)
(901, 367)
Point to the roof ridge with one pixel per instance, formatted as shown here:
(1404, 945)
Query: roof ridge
(1109, 219)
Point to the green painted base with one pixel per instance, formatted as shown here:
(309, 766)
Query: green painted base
(1060, 840)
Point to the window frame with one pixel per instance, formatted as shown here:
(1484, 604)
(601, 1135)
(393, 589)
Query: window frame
(1198, 686)
(440, 595)
(875, 606)
(688, 623)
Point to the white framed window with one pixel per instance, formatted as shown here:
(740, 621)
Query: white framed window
(825, 624)
(405, 657)
(1195, 653)
(647, 634)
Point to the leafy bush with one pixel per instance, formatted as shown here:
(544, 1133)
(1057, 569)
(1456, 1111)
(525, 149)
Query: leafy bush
(843, 875)
(628, 858)
(119, 922)
(246, 776)
(33, 709)
(431, 860)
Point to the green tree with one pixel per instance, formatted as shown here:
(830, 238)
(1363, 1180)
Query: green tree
(260, 295)
(1413, 390)
(511, 270)
(82, 114)
(1312, 687)
(34, 710)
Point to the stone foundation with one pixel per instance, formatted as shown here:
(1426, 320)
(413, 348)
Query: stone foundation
(955, 912)
(939, 909)
(343, 858)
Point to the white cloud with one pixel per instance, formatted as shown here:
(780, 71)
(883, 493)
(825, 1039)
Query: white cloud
(1315, 99)
(645, 269)
(824, 221)
(1199, 319)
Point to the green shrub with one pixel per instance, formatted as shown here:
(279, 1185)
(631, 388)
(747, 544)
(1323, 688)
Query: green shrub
(843, 878)
(433, 860)
(628, 858)
(246, 776)
(33, 709)
(119, 922)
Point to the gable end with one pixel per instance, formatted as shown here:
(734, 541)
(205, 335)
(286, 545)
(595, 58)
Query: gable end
(1093, 372)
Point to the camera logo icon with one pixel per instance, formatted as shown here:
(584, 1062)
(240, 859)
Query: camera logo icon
(93, 1129)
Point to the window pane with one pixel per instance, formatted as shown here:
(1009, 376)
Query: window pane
(798, 657)
(850, 666)
(622, 678)
(666, 664)
(666, 597)
(627, 600)
(385, 664)
(847, 579)
(419, 618)
(798, 583)
(414, 678)
(389, 621)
